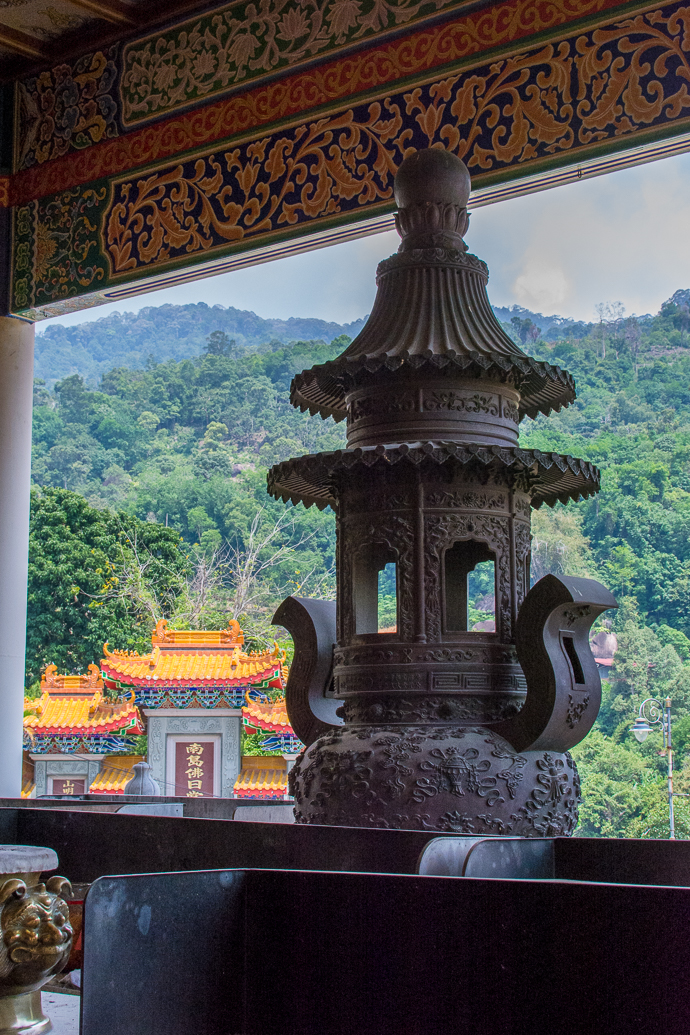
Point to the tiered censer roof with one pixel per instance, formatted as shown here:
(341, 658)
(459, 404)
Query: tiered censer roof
(433, 482)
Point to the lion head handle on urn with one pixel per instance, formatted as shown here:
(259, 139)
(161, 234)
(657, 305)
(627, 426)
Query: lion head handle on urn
(36, 933)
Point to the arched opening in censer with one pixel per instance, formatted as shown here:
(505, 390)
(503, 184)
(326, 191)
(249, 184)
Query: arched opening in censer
(375, 590)
(469, 574)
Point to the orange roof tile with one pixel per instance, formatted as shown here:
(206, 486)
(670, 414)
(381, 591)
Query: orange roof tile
(63, 713)
(28, 788)
(267, 715)
(116, 772)
(185, 667)
(261, 776)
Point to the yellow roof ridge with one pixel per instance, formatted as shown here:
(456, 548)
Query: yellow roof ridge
(164, 637)
(87, 683)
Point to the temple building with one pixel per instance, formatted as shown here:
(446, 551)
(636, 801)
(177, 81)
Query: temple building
(70, 730)
(265, 776)
(192, 694)
(191, 689)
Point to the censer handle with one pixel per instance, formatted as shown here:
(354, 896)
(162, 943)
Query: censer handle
(563, 682)
(311, 623)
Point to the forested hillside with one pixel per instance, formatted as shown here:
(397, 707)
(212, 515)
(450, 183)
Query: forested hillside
(160, 333)
(182, 447)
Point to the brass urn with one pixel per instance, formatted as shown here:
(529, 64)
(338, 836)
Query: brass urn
(434, 721)
(35, 936)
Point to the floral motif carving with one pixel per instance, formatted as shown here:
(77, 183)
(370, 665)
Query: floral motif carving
(56, 247)
(370, 406)
(471, 500)
(552, 779)
(427, 708)
(521, 506)
(68, 107)
(510, 411)
(609, 84)
(198, 205)
(167, 72)
(462, 402)
(243, 41)
(379, 681)
(576, 709)
(523, 547)
(466, 778)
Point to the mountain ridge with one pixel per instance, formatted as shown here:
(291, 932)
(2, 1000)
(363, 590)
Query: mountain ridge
(167, 332)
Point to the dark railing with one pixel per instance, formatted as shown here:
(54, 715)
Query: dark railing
(263, 928)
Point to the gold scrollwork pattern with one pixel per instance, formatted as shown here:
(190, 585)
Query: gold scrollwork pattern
(579, 95)
(313, 172)
(102, 94)
(605, 84)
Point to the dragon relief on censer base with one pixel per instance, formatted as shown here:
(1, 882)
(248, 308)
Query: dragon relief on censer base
(431, 723)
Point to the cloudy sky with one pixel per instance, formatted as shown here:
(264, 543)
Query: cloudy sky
(622, 237)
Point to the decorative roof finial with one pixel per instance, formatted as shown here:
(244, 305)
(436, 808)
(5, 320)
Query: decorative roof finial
(432, 189)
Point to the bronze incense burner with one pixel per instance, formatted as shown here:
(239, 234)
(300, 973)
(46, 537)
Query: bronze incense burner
(429, 722)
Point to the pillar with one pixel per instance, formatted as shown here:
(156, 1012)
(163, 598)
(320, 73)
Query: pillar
(16, 395)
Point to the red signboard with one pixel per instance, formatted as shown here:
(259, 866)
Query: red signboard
(70, 785)
(194, 763)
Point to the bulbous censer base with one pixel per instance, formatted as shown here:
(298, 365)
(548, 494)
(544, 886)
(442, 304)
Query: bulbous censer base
(446, 778)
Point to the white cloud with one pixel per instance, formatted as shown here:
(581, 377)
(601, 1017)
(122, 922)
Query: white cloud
(541, 287)
(622, 236)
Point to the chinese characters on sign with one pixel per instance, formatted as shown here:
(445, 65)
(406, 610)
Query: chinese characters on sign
(194, 764)
(69, 786)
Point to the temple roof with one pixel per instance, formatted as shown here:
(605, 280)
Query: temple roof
(262, 776)
(194, 657)
(77, 711)
(54, 682)
(195, 667)
(268, 716)
(197, 639)
(116, 772)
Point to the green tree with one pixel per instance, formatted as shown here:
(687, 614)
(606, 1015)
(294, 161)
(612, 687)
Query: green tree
(219, 343)
(82, 587)
(559, 546)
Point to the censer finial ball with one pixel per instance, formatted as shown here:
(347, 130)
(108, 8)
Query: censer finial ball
(432, 176)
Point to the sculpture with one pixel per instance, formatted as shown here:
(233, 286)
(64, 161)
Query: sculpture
(35, 935)
(432, 724)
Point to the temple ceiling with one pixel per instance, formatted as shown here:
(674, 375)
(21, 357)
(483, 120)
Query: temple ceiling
(244, 126)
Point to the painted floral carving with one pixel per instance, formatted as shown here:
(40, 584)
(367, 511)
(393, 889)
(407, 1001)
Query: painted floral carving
(225, 198)
(67, 107)
(242, 41)
(56, 247)
(520, 109)
(613, 83)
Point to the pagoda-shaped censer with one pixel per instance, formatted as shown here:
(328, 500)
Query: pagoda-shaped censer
(420, 720)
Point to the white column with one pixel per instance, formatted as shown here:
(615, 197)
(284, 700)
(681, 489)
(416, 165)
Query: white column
(16, 394)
